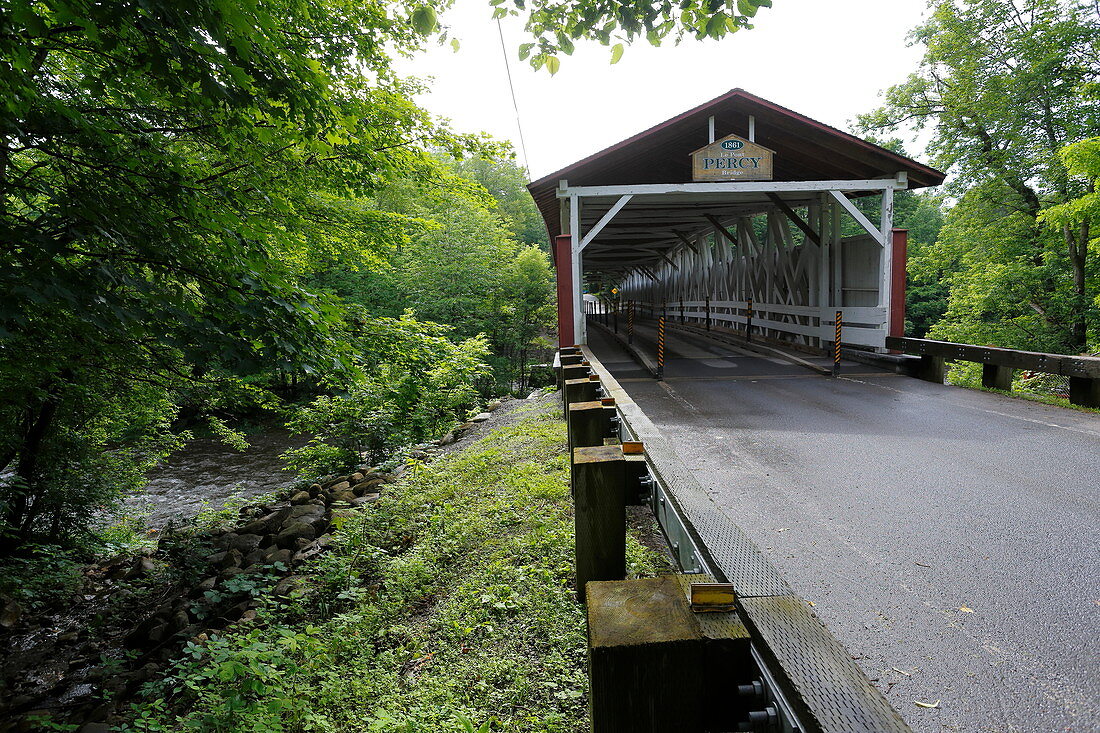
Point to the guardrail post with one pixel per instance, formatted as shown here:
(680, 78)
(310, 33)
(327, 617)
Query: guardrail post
(682, 318)
(931, 368)
(1084, 391)
(590, 422)
(997, 377)
(708, 312)
(599, 494)
(645, 658)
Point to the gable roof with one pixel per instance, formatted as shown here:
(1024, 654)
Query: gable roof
(806, 150)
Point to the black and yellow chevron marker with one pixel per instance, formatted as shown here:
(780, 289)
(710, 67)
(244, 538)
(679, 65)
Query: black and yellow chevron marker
(661, 347)
(748, 320)
(836, 343)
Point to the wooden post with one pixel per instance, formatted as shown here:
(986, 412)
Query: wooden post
(1084, 391)
(645, 658)
(748, 320)
(997, 377)
(931, 369)
(563, 269)
(599, 491)
(580, 390)
(708, 312)
(589, 423)
(899, 241)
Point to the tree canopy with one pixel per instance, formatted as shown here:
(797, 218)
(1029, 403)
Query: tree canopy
(1002, 86)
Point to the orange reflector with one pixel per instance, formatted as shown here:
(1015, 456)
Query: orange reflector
(608, 401)
(712, 597)
(593, 377)
(633, 447)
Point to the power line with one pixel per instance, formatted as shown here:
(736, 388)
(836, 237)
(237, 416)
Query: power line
(512, 89)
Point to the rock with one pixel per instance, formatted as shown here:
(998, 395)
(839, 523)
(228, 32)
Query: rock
(447, 439)
(246, 543)
(235, 612)
(535, 395)
(278, 555)
(10, 614)
(355, 477)
(288, 585)
(364, 487)
(344, 496)
(314, 489)
(207, 584)
(231, 559)
(419, 455)
(142, 566)
(252, 558)
(480, 417)
(311, 514)
(399, 470)
(493, 406)
(97, 727)
(179, 621)
(293, 531)
(338, 487)
(300, 498)
(365, 499)
(223, 541)
(267, 523)
(248, 616)
(216, 557)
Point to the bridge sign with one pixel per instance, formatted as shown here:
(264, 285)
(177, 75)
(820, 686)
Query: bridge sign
(732, 158)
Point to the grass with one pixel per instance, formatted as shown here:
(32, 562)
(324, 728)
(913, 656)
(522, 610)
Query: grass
(446, 606)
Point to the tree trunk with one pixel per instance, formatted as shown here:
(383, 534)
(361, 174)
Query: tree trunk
(1077, 244)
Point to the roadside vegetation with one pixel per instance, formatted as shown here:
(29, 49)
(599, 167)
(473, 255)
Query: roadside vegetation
(447, 605)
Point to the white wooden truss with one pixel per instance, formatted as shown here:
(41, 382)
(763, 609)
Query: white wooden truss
(680, 248)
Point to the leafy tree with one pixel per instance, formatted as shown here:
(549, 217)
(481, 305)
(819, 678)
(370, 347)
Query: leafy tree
(164, 169)
(506, 182)
(1000, 86)
(554, 25)
(419, 382)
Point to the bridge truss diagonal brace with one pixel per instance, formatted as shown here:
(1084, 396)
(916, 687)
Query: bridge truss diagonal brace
(605, 220)
(863, 221)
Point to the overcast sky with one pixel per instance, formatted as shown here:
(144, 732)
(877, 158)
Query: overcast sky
(827, 59)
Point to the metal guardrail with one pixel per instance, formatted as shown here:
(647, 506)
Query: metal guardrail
(809, 681)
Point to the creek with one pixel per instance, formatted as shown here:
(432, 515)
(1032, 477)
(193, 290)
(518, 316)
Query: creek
(207, 472)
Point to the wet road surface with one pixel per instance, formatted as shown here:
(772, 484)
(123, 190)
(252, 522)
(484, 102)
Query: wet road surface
(948, 537)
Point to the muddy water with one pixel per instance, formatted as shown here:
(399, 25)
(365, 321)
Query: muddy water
(207, 472)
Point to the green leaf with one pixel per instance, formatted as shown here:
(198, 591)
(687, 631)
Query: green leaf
(553, 64)
(746, 7)
(525, 50)
(424, 20)
(455, 44)
(616, 53)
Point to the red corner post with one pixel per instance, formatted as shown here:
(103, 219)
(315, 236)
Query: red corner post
(899, 243)
(563, 267)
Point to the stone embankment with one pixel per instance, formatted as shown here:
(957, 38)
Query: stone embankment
(131, 615)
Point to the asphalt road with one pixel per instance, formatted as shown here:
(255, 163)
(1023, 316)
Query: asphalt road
(948, 537)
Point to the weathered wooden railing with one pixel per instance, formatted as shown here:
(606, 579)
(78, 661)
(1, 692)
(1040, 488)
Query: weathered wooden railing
(999, 364)
(726, 645)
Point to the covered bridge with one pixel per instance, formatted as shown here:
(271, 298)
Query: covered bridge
(734, 205)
